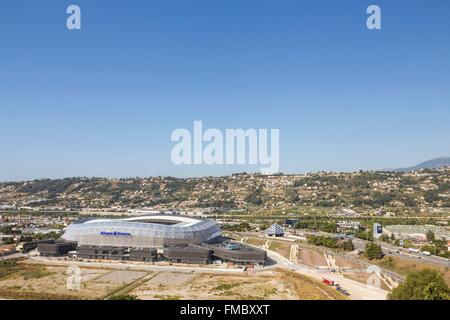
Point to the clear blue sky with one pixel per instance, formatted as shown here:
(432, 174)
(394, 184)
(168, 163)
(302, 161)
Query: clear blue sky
(104, 100)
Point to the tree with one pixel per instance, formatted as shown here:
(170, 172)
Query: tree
(431, 196)
(385, 238)
(365, 235)
(8, 240)
(254, 197)
(291, 194)
(392, 237)
(426, 284)
(433, 292)
(409, 201)
(430, 236)
(373, 251)
(348, 245)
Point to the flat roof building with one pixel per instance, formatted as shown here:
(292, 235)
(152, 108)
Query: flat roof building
(55, 248)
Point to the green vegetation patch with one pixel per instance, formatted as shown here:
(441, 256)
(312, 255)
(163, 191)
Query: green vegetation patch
(427, 284)
(167, 297)
(226, 286)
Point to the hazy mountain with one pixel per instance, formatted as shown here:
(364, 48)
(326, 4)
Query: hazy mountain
(430, 164)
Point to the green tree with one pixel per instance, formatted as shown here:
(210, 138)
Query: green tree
(254, 197)
(431, 196)
(373, 251)
(430, 236)
(291, 194)
(348, 245)
(426, 284)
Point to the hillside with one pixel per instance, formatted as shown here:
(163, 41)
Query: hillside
(421, 189)
(430, 164)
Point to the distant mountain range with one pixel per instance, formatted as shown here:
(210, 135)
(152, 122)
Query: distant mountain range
(430, 164)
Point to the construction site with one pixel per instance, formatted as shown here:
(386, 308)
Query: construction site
(34, 279)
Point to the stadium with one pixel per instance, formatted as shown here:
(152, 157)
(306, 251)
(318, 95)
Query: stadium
(150, 238)
(152, 231)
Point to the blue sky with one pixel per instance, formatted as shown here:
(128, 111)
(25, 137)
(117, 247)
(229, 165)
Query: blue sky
(103, 101)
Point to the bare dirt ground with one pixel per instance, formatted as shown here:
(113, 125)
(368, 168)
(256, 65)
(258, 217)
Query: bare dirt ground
(278, 285)
(308, 289)
(48, 282)
(312, 258)
(38, 281)
(345, 263)
(256, 242)
(6, 247)
(121, 277)
(362, 277)
(281, 247)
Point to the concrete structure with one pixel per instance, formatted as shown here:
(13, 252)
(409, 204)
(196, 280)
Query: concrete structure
(55, 248)
(117, 253)
(28, 246)
(189, 254)
(238, 253)
(102, 252)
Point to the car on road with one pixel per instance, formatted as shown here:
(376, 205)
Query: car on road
(342, 291)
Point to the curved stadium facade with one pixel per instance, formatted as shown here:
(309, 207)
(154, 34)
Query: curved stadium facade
(142, 232)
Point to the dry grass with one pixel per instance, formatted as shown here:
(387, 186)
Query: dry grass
(312, 258)
(309, 289)
(35, 281)
(269, 285)
(404, 266)
(256, 242)
(214, 286)
(282, 248)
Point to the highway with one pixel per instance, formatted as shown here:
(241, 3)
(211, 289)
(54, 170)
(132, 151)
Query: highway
(391, 250)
